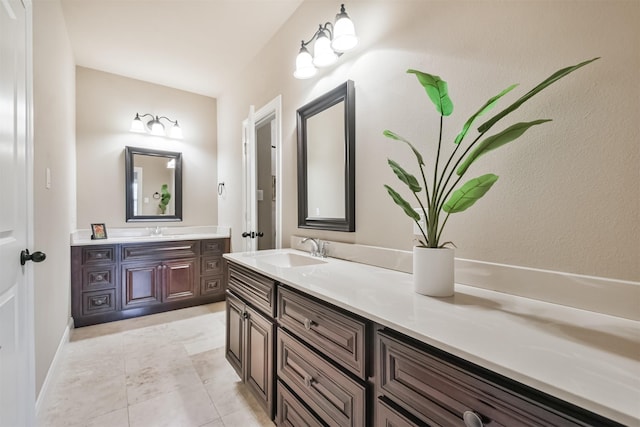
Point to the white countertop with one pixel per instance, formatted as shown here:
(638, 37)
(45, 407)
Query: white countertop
(589, 359)
(144, 235)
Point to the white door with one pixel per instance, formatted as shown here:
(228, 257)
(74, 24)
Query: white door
(17, 400)
(251, 231)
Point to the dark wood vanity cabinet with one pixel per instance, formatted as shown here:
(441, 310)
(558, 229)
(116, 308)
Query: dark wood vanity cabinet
(322, 362)
(250, 332)
(113, 282)
(419, 385)
(158, 273)
(94, 277)
(333, 367)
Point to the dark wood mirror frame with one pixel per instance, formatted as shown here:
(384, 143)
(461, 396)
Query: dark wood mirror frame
(343, 93)
(129, 164)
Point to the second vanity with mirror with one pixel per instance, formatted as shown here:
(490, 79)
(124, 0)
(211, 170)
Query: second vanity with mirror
(348, 344)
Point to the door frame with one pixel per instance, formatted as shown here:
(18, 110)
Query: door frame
(272, 109)
(29, 280)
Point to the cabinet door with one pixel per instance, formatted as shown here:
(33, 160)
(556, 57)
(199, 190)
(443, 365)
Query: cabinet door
(234, 345)
(141, 285)
(179, 279)
(259, 358)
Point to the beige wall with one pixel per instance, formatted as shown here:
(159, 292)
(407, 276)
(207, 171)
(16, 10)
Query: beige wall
(567, 198)
(54, 148)
(106, 104)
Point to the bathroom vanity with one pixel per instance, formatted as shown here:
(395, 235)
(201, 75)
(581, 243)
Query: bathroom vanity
(346, 344)
(128, 275)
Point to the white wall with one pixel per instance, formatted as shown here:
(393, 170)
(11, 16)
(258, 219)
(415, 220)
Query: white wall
(106, 104)
(567, 197)
(54, 148)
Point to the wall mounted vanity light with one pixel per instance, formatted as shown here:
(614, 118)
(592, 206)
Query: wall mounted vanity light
(331, 41)
(155, 127)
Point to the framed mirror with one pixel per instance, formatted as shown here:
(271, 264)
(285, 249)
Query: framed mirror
(326, 161)
(153, 185)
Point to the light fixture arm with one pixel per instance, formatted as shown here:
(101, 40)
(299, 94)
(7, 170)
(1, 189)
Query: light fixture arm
(328, 27)
(173, 122)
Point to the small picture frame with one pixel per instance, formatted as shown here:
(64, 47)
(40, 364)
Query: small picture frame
(98, 231)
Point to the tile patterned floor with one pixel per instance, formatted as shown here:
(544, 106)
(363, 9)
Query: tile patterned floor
(167, 369)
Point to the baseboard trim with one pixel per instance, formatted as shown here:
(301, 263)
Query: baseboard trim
(53, 369)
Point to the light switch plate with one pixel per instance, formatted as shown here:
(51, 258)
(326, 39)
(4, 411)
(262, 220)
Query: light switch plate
(47, 175)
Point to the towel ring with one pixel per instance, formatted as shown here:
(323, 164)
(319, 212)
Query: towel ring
(220, 188)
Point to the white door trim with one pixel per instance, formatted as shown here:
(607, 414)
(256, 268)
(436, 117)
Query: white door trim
(30, 306)
(271, 109)
(274, 108)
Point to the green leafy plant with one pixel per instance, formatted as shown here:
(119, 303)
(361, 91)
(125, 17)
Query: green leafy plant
(165, 197)
(443, 195)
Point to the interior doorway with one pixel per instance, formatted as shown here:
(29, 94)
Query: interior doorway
(266, 182)
(262, 204)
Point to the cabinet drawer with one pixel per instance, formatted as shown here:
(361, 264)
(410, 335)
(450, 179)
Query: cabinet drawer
(211, 285)
(388, 416)
(97, 302)
(98, 255)
(337, 335)
(160, 250)
(99, 277)
(291, 412)
(212, 247)
(425, 384)
(256, 289)
(211, 265)
(335, 397)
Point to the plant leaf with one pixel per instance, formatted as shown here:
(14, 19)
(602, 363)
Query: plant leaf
(392, 135)
(548, 81)
(437, 90)
(464, 197)
(405, 176)
(494, 141)
(485, 108)
(406, 207)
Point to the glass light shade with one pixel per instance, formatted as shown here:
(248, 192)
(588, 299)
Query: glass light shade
(323, 55)
(344, 34)
(137, 125)
(156, 127)
(304, 65)
(176, 131)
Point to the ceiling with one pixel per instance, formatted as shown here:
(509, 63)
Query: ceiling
(192, 45)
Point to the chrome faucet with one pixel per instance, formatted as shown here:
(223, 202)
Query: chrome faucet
(156, 231)
(319, 247)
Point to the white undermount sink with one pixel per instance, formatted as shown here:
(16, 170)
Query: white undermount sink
(289, 260)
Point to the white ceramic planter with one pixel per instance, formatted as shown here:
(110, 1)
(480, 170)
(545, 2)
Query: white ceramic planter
(433, 271)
